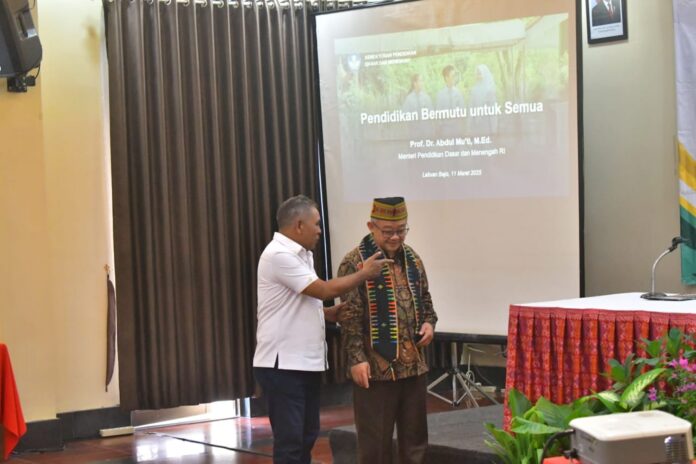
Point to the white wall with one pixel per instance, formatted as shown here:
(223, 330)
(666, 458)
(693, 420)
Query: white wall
(55, 226)
(75, 123)
(26, 316)
(630, 166)
(631, 178)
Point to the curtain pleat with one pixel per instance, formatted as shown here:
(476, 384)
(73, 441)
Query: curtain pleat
(213, 125)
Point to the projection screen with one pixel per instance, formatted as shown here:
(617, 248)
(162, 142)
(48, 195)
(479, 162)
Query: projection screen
(468, 109)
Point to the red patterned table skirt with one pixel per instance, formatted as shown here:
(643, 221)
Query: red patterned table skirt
(561, 353)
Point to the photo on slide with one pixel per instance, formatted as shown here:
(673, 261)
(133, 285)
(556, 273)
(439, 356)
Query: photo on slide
(465, 111)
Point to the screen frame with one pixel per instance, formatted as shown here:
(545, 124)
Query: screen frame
(320, 155)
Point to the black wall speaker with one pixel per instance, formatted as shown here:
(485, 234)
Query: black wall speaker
(20, 49)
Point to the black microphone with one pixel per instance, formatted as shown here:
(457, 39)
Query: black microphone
(676, 241)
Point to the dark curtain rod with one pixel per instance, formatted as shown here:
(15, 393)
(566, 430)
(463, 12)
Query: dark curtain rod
(270, 4)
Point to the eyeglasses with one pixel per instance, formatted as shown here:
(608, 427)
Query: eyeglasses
(388, 233)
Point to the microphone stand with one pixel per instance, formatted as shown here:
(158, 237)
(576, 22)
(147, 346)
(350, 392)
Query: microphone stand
(653, 295)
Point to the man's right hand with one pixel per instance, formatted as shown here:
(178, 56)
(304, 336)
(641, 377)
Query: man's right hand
(373, 265)
(328, 289)
(361, 374)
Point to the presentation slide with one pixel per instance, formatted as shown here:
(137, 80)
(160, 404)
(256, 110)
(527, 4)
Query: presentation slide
(468, 109)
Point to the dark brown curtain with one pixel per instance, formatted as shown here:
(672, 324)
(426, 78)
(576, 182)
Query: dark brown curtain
(212, 125)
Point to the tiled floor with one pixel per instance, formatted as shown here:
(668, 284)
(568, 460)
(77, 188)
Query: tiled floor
(185, 443)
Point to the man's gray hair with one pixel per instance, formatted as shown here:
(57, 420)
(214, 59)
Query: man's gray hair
(293, 208)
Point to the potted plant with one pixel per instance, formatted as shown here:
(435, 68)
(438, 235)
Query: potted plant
(665, 379)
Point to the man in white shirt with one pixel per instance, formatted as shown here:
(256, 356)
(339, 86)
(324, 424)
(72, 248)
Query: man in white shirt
(450, 98)
(291, 347)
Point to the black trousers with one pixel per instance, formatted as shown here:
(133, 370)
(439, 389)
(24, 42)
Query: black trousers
(386, 403)
(293, 408)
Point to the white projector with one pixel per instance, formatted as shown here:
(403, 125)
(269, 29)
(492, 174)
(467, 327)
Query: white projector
(646, 437)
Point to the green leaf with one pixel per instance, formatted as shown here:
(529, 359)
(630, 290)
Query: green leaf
(585, 403)
(655, 405)
(500, 452)
(533, 415)
(520, 425)
(609, 395)
(634, 392)
(621, 372)
(505, 445)
(628, 365)
(674, 342)
(553, 414)
(648, 361)
(616, 370)
(518, 403)
(618, 373)
(539, 452)
(653, 348)
(609, 399)
(501, 436)
(596, 406)
(580, 408)
(674, 334)
(618, 386)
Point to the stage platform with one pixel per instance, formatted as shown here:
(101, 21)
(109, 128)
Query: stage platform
(454, 437)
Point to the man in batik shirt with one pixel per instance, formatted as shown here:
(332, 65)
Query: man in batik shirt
(384, 327)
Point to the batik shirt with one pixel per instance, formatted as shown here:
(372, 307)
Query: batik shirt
(355, 330)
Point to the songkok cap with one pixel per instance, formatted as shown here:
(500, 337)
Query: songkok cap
(389, 209)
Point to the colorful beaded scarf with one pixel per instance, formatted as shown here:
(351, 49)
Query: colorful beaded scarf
(384, 319)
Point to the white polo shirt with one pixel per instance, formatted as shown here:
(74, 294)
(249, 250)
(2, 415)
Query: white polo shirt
(290, 324)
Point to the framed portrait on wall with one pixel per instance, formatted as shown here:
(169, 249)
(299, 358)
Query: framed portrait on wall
(606, 20)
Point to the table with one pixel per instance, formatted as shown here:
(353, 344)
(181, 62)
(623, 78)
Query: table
(559, 349)
(11, 416)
